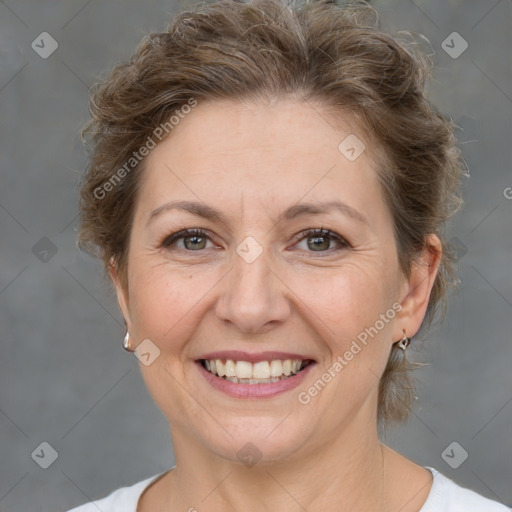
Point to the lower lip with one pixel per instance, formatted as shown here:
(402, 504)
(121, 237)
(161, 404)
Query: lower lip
(267, 390)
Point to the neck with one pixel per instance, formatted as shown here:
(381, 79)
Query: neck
(344, 474)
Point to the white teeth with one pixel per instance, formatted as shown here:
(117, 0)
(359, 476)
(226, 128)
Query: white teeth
(230, 368)
(243, 370)
(261, 372)
(221, 368)
(276, 368)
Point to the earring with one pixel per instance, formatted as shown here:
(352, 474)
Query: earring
(404, 342)
(126, 342)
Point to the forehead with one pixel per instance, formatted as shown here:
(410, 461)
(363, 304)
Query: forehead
(281, 151)
(216, 127)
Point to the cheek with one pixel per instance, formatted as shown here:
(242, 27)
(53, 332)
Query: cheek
(163, 303)
(346, 300)
(354, 316)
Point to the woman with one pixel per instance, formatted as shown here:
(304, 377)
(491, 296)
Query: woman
(267, 190)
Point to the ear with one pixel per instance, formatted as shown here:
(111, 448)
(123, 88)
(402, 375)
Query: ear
(418, 287)
(121, 291)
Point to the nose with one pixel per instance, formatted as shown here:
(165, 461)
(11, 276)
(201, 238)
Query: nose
(254, 296)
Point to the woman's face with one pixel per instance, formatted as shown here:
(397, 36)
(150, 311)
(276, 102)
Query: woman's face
(256, 287)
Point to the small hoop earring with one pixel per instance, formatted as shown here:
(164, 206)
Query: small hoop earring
(126, 342)
(404, 342)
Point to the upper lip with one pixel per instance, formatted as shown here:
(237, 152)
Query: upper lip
(254, 357)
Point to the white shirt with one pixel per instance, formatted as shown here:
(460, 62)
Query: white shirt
(444, 496)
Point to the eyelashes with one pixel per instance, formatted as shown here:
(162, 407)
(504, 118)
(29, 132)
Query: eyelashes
(184, 233)
(322, 233)
(200, 234)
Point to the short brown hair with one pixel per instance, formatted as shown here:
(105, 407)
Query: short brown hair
(268, 49)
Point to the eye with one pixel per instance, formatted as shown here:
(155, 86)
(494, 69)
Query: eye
(319, 240)
(194, 239)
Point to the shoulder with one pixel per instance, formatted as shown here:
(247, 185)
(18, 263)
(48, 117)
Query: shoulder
(447, 496)
(124, 499)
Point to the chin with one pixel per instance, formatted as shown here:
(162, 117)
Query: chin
(258, 440)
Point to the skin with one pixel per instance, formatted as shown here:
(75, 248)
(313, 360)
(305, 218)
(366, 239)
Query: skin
(252, 162)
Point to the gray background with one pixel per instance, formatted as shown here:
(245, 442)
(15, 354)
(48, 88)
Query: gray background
(64, 376)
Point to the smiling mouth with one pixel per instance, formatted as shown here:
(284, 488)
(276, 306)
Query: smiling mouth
(262, 372)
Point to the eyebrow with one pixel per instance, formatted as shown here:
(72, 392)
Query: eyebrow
(298, 210)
